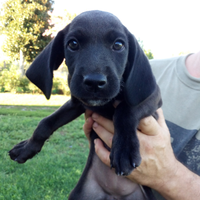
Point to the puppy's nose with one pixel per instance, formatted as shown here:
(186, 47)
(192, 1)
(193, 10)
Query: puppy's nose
(95, 82)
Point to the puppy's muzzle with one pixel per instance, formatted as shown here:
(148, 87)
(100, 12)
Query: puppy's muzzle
(94, 82)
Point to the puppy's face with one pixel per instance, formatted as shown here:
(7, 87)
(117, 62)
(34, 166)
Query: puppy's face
(96, 52)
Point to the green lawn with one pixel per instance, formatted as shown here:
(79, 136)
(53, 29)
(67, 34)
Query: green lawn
(54, 172)
(29, 99)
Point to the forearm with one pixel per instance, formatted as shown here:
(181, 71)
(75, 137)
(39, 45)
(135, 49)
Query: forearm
(184, 185)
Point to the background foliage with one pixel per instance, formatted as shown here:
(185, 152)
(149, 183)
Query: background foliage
(24, 22)
(11, 81)
(148, 52)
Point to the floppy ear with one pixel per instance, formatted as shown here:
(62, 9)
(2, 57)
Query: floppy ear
(139, 80)
(41, 70)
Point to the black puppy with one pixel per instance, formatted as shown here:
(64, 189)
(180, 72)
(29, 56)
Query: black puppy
(105, 64)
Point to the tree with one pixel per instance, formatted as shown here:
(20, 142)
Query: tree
(24, 22)
(184, 53)
(59, 22)
(148, 53)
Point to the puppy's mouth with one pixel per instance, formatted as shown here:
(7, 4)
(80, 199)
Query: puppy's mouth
(94, 102)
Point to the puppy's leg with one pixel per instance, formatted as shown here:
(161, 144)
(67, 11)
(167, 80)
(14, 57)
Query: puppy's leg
(29, 148)
(125, 154)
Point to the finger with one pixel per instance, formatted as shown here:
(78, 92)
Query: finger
(161, 118)
(149, 126)
(87, 127)
(88, 113)
(103, 133)
(102, 152)
(106, 123)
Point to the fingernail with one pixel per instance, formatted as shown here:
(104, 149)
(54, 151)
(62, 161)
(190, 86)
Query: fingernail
(95, 125)
(94, 116)
(95, 141)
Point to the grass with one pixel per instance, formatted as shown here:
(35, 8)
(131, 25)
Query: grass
(54, 172)
(28, 99)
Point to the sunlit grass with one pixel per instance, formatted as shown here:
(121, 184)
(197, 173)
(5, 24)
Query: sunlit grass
(32, 99)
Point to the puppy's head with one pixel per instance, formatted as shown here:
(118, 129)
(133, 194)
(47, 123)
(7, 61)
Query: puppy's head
(99, 52)
(96, 52)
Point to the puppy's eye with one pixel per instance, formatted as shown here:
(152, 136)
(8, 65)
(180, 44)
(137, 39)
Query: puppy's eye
(73, 45)
(118, 45)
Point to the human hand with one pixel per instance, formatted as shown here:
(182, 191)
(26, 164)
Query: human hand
(158, 160)
(159, 168)
(87, 127)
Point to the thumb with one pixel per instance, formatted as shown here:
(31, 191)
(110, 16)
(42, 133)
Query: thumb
(149, 126)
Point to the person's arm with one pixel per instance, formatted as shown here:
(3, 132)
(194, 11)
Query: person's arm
(159, 169)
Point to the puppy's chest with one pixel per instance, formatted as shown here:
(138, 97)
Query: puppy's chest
(108, 109)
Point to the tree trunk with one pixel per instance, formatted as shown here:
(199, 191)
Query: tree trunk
(21, 64)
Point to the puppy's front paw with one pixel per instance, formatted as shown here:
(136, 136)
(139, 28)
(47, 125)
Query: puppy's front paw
(24, 151)
(125, 156)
